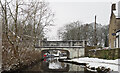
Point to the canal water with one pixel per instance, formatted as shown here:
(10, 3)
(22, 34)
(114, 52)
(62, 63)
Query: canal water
(52, 65)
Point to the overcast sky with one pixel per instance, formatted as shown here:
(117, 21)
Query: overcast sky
(66, 12)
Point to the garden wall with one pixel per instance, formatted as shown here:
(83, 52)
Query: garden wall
(104, 53)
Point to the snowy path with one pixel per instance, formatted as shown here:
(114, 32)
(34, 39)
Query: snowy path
(95, 62)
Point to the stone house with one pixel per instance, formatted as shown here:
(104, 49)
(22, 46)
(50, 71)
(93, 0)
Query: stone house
(114, 24)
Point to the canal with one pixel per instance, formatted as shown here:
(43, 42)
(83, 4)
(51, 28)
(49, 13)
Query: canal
(52, 65)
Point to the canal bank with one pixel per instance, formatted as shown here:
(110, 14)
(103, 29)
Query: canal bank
(97, 65)
(20, 67)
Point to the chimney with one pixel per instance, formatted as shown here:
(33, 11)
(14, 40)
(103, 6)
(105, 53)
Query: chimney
(113, 7)
(119, 9)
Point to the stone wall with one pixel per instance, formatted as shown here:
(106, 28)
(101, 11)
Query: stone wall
(105, 53)
(87, 48)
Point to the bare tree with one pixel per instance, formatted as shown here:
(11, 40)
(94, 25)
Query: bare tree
(79, 31)
(24, 23)
(36, 14)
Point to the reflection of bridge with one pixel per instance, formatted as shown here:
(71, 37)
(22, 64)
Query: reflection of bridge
(53, 65)
(76, 48)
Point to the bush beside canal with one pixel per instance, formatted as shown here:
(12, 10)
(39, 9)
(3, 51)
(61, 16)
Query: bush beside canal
(25, 56)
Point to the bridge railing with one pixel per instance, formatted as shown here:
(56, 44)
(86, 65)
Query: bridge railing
(69, 43)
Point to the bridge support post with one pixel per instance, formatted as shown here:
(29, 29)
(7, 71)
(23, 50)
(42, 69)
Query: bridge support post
(83, 43)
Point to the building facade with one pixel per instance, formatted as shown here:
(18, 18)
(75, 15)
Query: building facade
(114, 25)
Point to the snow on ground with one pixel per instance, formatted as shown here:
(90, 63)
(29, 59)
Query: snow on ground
(95, 62)
(60, 57)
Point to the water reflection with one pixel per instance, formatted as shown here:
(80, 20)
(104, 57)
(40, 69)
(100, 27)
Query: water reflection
(53, 65)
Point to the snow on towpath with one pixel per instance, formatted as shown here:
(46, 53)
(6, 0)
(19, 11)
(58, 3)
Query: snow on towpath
(95, 62)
